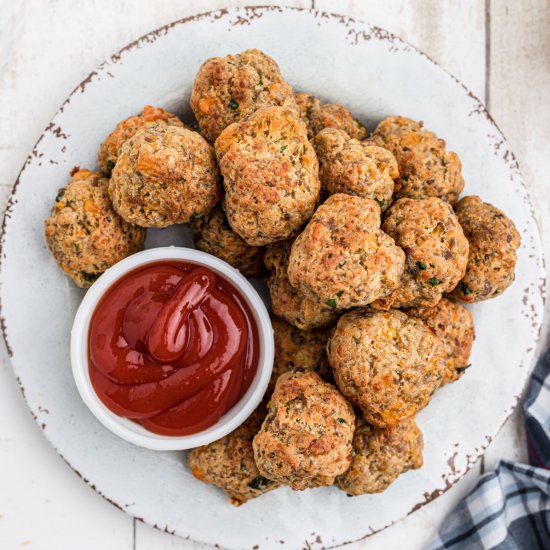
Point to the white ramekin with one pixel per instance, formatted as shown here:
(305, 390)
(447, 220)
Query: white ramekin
(131, 431)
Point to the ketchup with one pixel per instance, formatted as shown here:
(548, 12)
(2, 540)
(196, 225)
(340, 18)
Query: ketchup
(172, 346)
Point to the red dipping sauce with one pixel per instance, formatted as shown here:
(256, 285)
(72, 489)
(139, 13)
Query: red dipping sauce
(173, 346)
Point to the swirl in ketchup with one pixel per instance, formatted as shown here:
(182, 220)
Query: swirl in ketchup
(172, 346)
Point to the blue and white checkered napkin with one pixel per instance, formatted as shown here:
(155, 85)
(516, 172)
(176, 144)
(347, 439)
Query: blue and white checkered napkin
(509, 508)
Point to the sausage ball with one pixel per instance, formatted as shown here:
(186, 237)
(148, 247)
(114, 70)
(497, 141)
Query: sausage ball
(353, 167)
(386, 363)
(380, 456)
(305, 439)
(164, 175)
(298, 350)
(271, 175)
(301, 309)
(84, 234)
(436, 249)
(426, 168)
(493, 242)
(453, 324)
(228, 89)
(214, 235)
(342, 257)
(318, 116)
(110, 148)
(228, 463)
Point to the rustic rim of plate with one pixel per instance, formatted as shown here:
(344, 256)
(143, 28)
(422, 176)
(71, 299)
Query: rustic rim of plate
(251, 11)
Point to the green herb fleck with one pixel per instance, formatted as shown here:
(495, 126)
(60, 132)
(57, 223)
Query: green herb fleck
(343, 264)
(91, 277)
(76, 247)
(260, 81)
(60, 195)
(381, 203)
(460, 370)
(341, 420)
(233, 104)
(331, 302)
(339, 293)
(260, 483)
(283, 148)
(434, 281)
(85, 227)
(405, 178)
(421, 265)
(110, 166)
(466, 290)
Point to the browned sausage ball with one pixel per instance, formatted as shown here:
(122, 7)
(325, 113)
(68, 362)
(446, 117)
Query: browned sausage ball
(343, 257)
(110, 148)
(229, 463)
(493, 242)
(354, 167)
(380, 456)
(386, 363)
(436, 249)
(305, 440)
(453, 324)
(228, 89)
(84, 234)
(214, 235)
(271, 175)
(303, 310)
(426, 168)
(164, 175)
(318, 116)
(298, 350)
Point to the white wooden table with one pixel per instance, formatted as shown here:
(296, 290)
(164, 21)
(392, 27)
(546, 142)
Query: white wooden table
(500, 49)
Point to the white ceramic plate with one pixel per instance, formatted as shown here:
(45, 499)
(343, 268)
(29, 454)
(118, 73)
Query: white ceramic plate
(338, 59)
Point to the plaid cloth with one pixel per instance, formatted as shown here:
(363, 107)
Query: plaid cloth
(509, 508)
(536, 408)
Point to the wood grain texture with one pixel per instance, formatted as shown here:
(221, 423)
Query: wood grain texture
(42, 501)
(54, 44)
(518, 85)
(451, 32)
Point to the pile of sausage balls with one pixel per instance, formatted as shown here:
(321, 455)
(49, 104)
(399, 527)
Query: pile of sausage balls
(368, 251)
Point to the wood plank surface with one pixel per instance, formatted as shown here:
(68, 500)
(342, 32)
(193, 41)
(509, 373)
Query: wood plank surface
(500, 49)
(451, 32)
(43, 504)
(518, 86)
